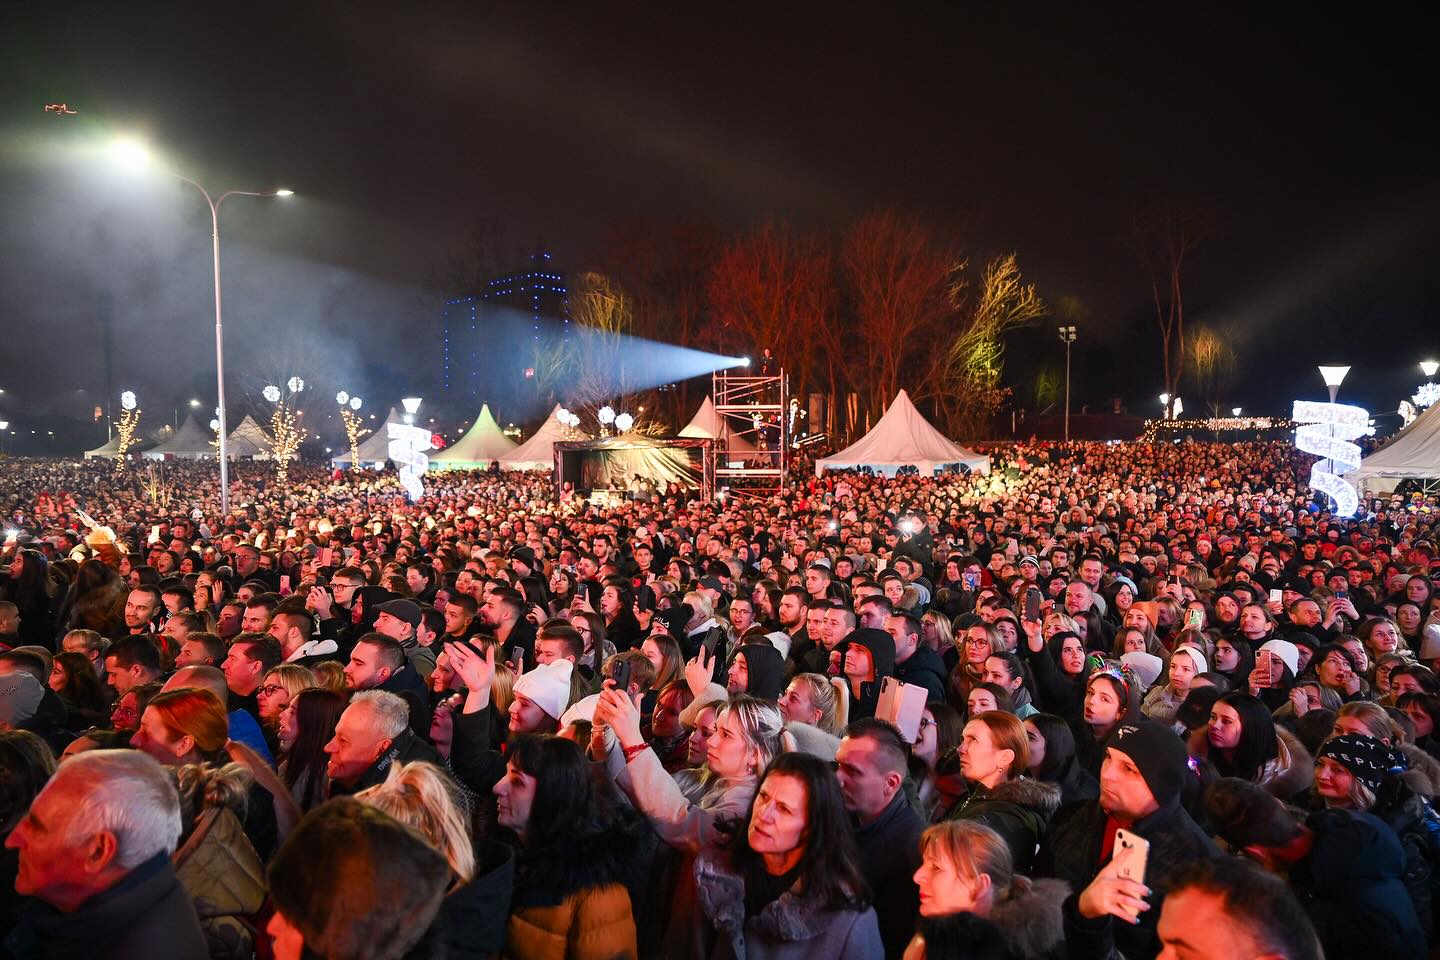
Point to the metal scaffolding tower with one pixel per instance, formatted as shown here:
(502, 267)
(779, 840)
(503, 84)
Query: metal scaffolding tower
(752, 451)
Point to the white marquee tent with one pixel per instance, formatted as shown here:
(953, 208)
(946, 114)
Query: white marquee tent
(482, 445)
(538, 453)
(191, 442)
(374, 449)
(1412, 454)
(904, 438)
(111, 448)
(248, 441)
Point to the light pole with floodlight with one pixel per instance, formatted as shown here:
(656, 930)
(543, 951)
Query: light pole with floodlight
(135, 153)
(1067, 337)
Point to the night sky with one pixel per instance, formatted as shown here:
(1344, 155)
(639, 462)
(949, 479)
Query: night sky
(1312, 143)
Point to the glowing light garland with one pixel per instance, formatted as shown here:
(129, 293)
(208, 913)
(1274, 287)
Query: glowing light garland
(352, 434)
(1327, 431)
(1154, 428)
(286, 441)
(406, 446)
(1426, 395)
(125, 431)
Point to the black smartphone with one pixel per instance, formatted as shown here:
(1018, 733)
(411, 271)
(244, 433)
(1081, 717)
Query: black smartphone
(619, 671)
(1032, 605)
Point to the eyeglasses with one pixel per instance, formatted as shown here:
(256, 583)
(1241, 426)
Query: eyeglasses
(270, 689)
(976, 642)
(925, 724)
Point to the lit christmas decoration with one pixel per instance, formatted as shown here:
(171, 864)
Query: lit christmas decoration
(295, 384)
(1407, 412)
(125, 429)
(1427, 395)
(352, 435)
(1327, 431)
(271, 393)
(354, 403)
(342, 398)
(407, 444)
(624, 422)
(606, 415)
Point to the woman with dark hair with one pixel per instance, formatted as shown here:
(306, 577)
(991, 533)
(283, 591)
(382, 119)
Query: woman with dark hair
(1234, 659)
(1334, 666)
(562, 591)
(1423, 709)
(935, 760)
(578, 856)
(74, 681)
(29, 586)
(1112, 694)
(1058, 668)
(788, 885)
(1241, 740)
(306, 724)
(1052, 758)
(96, 601)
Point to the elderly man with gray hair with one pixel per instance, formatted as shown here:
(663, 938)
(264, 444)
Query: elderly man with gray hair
(373, 733)
(94, 854)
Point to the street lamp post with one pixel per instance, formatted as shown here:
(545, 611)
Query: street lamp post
(134, 152)
(1067, 337)
(1333, 377)
(1428, 367)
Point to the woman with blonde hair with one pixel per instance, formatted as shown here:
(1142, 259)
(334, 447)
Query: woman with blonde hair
(936, 630)
(278, 688)
(330, 675)
(818, 700)
(966, 867)
(421, 796)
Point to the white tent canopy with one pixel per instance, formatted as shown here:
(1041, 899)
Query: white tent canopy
(482, 445)
(111, 448)
(1412, 454)
(538, 453)
(904, 438)
(191, 442)
(248, 441)
(374, 449)
(707, 424)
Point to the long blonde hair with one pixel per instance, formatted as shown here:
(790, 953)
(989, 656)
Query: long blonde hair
(419, 795)
(831, 697)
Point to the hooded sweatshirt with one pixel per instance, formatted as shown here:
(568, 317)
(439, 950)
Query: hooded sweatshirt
(766, 668)
(882, 653)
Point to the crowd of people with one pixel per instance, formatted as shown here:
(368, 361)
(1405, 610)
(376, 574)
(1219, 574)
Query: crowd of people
(1130, 699)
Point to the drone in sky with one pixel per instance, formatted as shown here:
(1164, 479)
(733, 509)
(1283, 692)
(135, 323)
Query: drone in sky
(60, 109)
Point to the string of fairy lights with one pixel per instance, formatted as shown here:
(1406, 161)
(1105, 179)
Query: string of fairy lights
(125, 428)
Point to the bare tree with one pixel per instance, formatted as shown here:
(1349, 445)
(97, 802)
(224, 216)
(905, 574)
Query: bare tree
(1213, 363)
(896, 276)
(772, 288)
(1164, 235)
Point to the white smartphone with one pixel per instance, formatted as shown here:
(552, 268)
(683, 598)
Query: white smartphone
(1132, 853)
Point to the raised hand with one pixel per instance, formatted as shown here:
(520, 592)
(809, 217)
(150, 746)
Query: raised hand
(699, 672)
(1110, 894)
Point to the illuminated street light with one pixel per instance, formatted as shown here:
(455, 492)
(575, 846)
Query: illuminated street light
(135, 154)
(1234, 411)
(1333, 377)
(1428, 367)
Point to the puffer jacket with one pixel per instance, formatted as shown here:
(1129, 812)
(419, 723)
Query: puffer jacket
(1287, 776)
(1018, 810)
(222, 873)
(572, 899)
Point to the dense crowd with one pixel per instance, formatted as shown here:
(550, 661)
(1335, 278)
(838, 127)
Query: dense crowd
(1108, 700)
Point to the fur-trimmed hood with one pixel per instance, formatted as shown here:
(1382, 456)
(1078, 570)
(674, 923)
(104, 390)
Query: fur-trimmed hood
(1032, 921)
(547, 875)
(1038, 795)
(1423, 775)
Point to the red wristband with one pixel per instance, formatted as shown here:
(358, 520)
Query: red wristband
(632, 752)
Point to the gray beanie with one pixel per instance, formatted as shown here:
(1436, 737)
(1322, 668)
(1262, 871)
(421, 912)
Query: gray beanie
(20, 696)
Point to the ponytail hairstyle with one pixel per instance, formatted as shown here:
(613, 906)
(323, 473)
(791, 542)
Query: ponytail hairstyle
(831, 696)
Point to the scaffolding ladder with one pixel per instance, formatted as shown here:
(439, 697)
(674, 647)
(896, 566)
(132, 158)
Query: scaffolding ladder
(752, 452)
